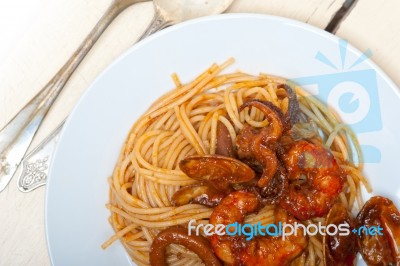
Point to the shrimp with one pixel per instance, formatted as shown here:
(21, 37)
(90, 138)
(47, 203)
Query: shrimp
(260, 250)
(314, 196)
(257, 146)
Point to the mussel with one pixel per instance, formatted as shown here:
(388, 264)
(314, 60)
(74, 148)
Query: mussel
(219, 171)
(379, 232)
(198, 193)
(339, 249)
(224, 145)
(375, 233)
(216, 173)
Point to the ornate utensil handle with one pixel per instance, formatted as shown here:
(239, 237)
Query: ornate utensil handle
(17, 135)
(36, 164)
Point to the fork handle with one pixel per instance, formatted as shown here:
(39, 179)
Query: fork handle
(17, 135)
(159, 22)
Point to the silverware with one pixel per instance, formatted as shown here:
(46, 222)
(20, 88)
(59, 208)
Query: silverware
(167, 12)
(35, 165)
(17, 135)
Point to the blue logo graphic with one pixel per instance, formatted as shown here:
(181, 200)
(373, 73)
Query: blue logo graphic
(353, 94)
(368, 231)
(348, 103)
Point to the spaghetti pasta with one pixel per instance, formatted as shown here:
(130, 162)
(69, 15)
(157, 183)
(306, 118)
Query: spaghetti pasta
(183, 122)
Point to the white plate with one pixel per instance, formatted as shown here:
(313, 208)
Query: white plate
(77, 190)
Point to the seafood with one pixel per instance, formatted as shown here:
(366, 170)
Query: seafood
(257, 146)
(292, 115)
(308, 130)
(324, 179)
(266, 250)
(272, 193)
(179, 235)
(379, 249)
(199, 193)
(224, 141)
(340, 250)
(378, 240)
(275, 170)
(217, 170)
(273, 131)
